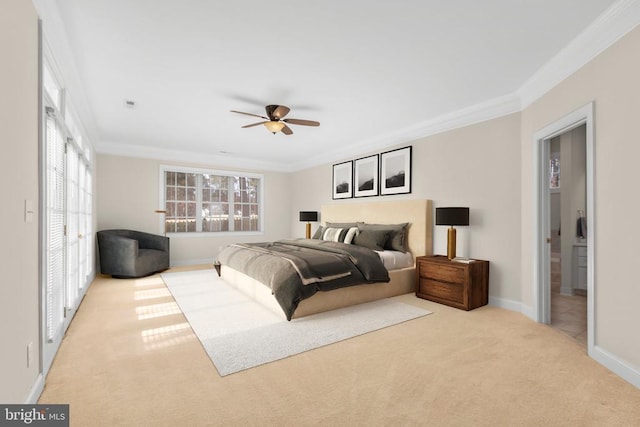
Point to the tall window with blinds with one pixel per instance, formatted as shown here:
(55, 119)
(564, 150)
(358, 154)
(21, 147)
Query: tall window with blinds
(67, 221)
(55, 224)
(201, 201)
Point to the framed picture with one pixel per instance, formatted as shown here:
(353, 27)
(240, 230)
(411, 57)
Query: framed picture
(395, 171)
(366, 176)
(343, 180)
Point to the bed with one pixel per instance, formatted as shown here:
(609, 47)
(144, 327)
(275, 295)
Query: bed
(401, 281)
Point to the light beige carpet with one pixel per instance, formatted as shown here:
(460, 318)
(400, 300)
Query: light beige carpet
(130, 359)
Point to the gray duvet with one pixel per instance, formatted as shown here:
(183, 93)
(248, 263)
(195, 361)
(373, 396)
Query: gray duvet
(297, 269)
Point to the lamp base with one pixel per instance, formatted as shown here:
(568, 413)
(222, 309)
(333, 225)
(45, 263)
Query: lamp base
(451, 243)
(308, 230)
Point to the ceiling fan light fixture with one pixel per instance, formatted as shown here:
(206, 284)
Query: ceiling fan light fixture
(274, 126)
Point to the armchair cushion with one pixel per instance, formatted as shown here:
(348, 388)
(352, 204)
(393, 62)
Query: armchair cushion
(129, 253)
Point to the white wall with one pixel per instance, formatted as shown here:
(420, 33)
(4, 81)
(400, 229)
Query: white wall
(611, 81)
(19, 262)
(128, 193)
(475, 166)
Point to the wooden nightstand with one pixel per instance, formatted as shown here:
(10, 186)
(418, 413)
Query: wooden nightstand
(460, 285)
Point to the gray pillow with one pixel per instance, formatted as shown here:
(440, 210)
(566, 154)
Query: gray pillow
(341, 224)
(318, 234)
(372, 239)
(397, 240)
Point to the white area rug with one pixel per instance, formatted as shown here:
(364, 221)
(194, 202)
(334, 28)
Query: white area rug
(239, 333)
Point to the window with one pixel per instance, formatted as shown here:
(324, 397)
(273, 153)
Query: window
(205, 201)
(67, 221)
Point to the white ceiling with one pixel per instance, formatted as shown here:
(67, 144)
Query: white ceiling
(372, 72)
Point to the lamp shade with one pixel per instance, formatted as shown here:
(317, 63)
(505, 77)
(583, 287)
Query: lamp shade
(308, 216)
(452, 216)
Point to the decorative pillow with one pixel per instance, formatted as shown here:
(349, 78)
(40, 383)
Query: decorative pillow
(397, 234)
(351, 234)
(334, 234)
(319, 232)
(372, 239)
(342, 235)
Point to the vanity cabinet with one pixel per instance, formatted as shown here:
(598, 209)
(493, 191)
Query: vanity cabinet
(579, 266)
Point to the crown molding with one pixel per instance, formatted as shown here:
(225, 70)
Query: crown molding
(484, 111)
(491, 109)
(165, 154)
(622, 17)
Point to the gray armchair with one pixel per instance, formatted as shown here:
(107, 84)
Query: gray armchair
(128, 253)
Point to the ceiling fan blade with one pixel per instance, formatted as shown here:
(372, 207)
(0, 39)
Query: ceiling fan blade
(276, 112)
(249, 114)
(281, 111)
(302, 122)
(287, 130)
(254, 124)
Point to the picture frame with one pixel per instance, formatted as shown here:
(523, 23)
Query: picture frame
(395, 171)
(366, 181)
(343, 180)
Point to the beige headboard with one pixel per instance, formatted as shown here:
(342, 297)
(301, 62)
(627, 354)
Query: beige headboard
(418, 213)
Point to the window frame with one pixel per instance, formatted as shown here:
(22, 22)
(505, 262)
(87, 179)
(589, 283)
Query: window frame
(201, 171)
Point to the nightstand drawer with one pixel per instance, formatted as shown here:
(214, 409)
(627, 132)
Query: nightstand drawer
(442, 272)
(449, 291)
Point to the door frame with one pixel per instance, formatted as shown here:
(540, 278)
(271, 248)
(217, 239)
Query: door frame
(541, 216)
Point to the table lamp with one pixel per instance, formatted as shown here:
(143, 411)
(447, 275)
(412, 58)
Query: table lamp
(452, 216)
(309, 217)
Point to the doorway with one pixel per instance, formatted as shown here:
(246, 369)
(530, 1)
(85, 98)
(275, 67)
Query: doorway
(568, 245)
(542, 227)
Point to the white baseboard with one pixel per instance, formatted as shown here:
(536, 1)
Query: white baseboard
(505, 303)
(36, 391)
(529, 312)
(179, 263)
(622, 368)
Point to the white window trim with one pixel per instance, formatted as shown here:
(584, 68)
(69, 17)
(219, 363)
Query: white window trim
(186, 169)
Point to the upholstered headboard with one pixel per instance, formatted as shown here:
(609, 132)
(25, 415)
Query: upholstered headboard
(418, 213)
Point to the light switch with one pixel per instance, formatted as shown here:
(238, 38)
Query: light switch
(28, 211)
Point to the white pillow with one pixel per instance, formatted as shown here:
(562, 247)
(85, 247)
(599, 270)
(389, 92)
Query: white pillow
(353, 232)
(342, 235)
(332, 234)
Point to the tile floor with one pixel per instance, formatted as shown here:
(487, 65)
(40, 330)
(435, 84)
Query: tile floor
(568, 313)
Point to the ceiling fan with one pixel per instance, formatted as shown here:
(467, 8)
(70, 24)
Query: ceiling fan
(275, 121)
